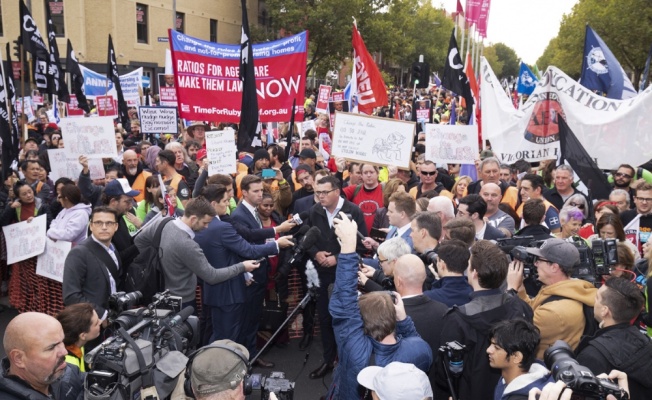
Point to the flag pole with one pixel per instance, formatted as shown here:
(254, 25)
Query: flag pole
(463, 34)
(22, 89)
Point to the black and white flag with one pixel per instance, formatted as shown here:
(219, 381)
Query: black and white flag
(56, 79)
(34, 44)
(76, 78)
(454, 78)
(112, 75)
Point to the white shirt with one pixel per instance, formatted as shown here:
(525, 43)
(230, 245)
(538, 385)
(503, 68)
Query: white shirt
(400, 231)
(111, 251)
(479, 235)
(330, 216)
(253, 212)
(181, 225)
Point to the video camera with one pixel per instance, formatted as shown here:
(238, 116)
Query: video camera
(451, 356)
(516, 248)
(146, 354)
(274, 383)
(585, 385)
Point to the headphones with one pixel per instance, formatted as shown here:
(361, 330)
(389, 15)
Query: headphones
(247, 384)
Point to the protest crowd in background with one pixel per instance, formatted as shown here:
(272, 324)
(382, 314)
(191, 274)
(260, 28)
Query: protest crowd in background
(396, 218)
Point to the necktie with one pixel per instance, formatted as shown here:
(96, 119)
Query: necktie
(258, 218)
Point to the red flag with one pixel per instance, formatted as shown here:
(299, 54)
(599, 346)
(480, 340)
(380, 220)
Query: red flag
(460, 10)
(371, 88)
(468, 70)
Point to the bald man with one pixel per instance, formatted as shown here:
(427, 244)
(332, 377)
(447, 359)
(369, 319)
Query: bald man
(35, 366)
(427, 314)
(133, 171)
(494, 216)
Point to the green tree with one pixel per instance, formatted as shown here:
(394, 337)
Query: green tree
(496, 65)
(511, 62)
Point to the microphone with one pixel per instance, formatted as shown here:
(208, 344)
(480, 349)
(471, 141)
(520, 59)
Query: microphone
(299, 218)
(181, 316)
(309, 239)
(301, 232)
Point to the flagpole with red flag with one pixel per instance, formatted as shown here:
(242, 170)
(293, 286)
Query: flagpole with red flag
(371, 90)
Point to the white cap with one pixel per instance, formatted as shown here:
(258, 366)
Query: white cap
(396, 381)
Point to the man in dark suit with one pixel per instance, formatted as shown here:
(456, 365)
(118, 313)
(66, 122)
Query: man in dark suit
(474, 207)
(427, 314)
(93, 270)
(223, 247)
(247, 223)
(324, 255)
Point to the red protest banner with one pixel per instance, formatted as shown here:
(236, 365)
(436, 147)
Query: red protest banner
(106, 106)
(322, 100)
(73, 107)
(208, 84)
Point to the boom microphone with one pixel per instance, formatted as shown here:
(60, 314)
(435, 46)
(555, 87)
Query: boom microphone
(181, 316)
(309, 239)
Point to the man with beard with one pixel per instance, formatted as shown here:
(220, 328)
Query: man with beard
(622, 179)
(35, 367)
(133, 171)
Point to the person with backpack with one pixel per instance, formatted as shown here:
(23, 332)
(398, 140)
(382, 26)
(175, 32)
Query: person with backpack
(563, 308)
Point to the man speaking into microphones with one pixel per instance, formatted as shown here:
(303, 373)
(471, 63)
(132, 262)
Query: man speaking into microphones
(324, 254)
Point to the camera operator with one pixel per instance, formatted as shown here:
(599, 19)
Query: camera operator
(383, 279)
(452, 288)
(469, 324)
(559, 391)
(80, 325)
(35, 366)
(560, 317)
(218, 373)
(618, 344)
(534, 210)
(374, 325)
(513, 351)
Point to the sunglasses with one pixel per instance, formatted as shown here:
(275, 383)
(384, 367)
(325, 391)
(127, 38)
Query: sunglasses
(578, 205)
(429, 173)
(623, 175)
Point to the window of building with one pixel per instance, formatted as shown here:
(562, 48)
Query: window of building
(213, 31)
(56, 12)
(181, 22)
(141, 23)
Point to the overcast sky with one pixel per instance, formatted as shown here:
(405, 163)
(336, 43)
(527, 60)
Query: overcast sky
(524, 25)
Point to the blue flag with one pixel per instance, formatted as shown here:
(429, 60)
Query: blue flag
(646, 72)
(527, 81)
(437, 80)
(601, 70)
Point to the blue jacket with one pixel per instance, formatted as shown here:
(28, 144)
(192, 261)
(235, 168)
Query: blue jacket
(354, 347)
(537, 377)
(451, 290)
(223, 247)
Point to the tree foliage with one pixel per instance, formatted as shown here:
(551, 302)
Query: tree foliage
(624, 25)
(503, 60)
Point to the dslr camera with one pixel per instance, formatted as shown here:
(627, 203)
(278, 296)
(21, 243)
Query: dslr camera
(562, 364)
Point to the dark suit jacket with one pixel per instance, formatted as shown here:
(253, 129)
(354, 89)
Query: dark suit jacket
(86, 275)
(246, 225)
(303, 204)
(491, 233)
(223, 247)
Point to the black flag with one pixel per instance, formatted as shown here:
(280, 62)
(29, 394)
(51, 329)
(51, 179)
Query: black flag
(9, 137)
(56, 80)
(34, 44)
(574, 154)
(76, 78)
(288, 147)
(454, 78)
(112, 75)
(249, 110)
(11, 97)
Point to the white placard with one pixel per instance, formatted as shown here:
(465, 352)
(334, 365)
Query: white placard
(50, 263)
(451, 144)
(62, 166)
(221, 151)
(376, 140)
(25, 239)
(158, 119)
(92, 137)
(305, 125)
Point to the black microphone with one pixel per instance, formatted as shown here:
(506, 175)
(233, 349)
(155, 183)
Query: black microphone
(309, 239)
(181, 316)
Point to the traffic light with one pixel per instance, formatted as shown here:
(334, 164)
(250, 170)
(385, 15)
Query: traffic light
(17, 44)
(420, 74)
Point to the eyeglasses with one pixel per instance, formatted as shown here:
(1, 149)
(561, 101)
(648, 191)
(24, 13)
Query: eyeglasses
(644, 199)
(544, 260)
(108, 224)
(578, 205)
(382, 261)
(324, 193)
(429, 173)
(622, 174)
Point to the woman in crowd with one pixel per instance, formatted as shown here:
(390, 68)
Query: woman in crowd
(24, 207)
(159, 205)
(422, 204)
(71, 224)
(571, 220)
(579, 201)
(7, 190)
(381, 221)
(609, 226)
(183, 164)
(80, 325)
(459, 189)
(151, 184)
(602, 207)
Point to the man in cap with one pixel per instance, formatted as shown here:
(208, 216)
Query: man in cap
(197, 131)
(396, 380)
(218, 371)
(309, 157)
(559, 305)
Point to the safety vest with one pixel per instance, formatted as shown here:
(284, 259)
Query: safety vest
(78, 362)
(139, 184)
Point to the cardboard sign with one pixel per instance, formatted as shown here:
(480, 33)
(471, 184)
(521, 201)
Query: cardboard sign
(92, 137)
(106, 106)
(322, 99)
(221, 150)
(451, 144)
(375, 140)
(51, 262)
(25, 239)
(73, 107)
(158, 119)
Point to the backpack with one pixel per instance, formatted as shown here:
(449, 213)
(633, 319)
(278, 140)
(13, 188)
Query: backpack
(144, 273)
(590, 324)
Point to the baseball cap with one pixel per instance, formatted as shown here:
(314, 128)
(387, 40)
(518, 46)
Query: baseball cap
(558, 251)
(118, 187)
(216, 370)
(308, 153)
(397, 380)
(201, 154)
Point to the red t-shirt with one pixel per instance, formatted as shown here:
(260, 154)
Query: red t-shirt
(368, 201)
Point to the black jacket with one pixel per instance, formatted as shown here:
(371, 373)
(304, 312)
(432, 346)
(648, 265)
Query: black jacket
(69, 387)
(622, 347)
(538, 232)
